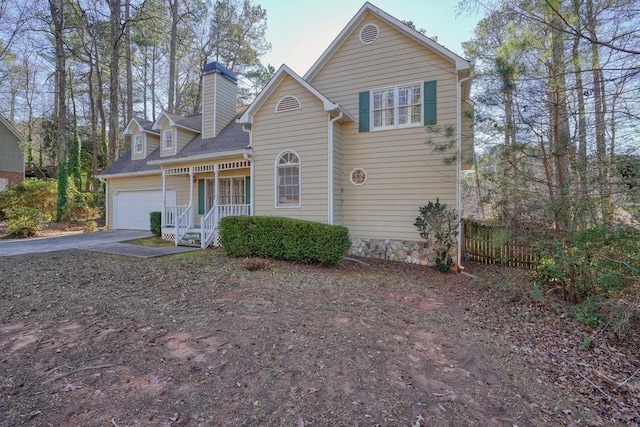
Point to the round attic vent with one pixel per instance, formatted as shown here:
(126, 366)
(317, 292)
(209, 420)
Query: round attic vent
(369, 33)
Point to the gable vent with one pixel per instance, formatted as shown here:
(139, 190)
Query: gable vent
(369, 33)
(288, 103)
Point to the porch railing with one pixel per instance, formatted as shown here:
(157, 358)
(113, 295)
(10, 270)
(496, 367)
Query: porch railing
(183, 221)
(209, 222)
(209, 226)
(171, 213)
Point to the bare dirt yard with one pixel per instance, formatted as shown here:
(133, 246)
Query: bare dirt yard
(199, 339)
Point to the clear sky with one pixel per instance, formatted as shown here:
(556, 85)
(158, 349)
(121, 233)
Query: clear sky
(300, 30)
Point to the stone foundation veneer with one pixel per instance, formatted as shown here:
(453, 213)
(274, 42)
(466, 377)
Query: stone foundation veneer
(394, 250)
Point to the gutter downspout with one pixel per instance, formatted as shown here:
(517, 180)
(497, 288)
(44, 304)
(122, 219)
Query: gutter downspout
(251, 171)
(330, 167)
(459, 166)
(106, 199)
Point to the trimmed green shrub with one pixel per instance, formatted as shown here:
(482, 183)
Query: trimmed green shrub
(284, 238)
(23, 221)
(156, 223)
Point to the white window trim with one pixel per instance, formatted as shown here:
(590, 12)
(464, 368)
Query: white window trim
(231, 178)
(174, 140)
(395, 88)
(275, 181)
(366, 176)
(143, 145)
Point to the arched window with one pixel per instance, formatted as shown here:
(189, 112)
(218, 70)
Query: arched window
(288, 180)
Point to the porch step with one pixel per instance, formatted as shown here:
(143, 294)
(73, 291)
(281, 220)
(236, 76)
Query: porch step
(191, 238)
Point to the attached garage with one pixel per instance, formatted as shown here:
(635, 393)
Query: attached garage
(131, 209)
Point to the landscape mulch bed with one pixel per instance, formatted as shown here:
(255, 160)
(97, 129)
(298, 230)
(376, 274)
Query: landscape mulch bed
(199, 339)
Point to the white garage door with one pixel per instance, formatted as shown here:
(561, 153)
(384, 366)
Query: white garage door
(132, 208)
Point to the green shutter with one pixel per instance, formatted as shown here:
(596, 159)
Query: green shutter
(364, 112)
(201, 197)
(430, 103)
(247, 190)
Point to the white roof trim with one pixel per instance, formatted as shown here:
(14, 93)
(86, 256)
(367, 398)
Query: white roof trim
(125, 174)
(459, 62)
(12, 129)
(247, 116)
(199, 157)
(127, 130)
(172, 123)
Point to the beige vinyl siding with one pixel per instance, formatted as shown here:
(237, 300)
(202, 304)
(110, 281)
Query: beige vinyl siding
(218, 103)
(225, 104)
(184, 137)
(337, 174)
(132, 183)
(303, 131)
(153, 142)
(467, 136)
(403, 170)
(208, 99)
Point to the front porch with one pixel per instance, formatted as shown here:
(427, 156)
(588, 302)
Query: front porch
(214, 190)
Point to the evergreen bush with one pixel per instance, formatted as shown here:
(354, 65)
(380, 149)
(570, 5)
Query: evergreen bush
(156, 223)
(23, 221)
(439, 224)
(284, 238)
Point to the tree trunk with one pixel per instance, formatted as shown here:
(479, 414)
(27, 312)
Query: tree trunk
(173, 48)
(57, 16)
(581, 160)
(560, 122)
(114, 123)
(602, 161)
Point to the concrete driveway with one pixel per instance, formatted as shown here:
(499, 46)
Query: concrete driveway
(71, 241)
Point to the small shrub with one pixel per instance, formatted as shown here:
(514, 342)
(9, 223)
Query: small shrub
(23, 221)
(34, 193)
(284, 238)
(439, 224)
(156, 223)
(90, 226)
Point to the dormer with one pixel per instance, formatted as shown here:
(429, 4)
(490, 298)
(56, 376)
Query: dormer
(144, 140)
(219, 93)
(175, 132)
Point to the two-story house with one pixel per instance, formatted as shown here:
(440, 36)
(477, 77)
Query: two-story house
(380, 125)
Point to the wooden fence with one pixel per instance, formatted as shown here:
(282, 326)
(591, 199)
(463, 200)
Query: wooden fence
(496, 244)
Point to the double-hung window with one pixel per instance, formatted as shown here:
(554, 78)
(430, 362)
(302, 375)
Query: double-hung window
(138, 144)
(288, 180)
(167, 139)
(399, 106)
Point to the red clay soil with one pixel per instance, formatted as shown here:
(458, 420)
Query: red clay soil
(198, 339)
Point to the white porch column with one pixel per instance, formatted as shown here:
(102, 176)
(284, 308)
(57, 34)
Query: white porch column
(216, 186)
(163, 220)
(191, 176)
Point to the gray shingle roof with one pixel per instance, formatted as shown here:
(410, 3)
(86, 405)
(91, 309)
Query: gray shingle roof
(146, 124)
(192, 122)
(124, 165)
(231, 138)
